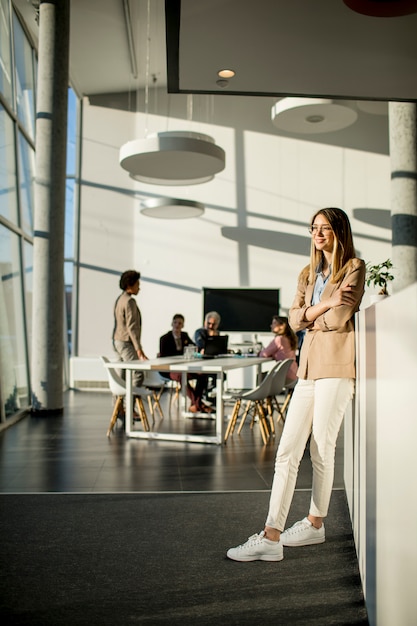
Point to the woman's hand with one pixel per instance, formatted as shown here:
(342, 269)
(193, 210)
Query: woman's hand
(344, 295)
(141, 355)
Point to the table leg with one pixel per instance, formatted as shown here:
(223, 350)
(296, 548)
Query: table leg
(184, 382)
(259, 374)
(129, 403)
(219, 408)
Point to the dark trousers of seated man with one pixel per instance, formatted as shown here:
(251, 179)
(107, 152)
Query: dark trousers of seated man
(194, 393)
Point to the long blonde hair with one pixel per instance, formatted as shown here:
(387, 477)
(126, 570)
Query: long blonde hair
(343, 248)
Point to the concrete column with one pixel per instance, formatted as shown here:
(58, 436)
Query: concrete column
(403, 152)
(49, 219)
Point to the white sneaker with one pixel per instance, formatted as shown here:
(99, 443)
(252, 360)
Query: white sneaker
(303, 533)
(257, 548)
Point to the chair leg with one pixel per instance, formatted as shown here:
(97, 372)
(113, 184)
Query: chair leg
(279, 410)
(151, 407)
(286, 402)
(156, 404)
(142, 413)
(177, 393)
(263, 424)
(270, 411)
(117, 405)
(244, 416)
(233, 419)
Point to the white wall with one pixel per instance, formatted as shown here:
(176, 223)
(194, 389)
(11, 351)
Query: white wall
(253, 232)
(380, 458)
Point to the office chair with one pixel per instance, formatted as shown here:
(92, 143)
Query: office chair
(278, 385)
(118, 388)
(289, 390)
(255, 401)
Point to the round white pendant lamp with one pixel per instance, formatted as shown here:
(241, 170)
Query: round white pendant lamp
(311, 115)
(171, 208)
(382, 8)
(173, 158)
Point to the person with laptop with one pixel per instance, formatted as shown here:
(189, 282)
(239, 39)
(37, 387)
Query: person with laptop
(210, 329)
(206, 334)
(173, 344)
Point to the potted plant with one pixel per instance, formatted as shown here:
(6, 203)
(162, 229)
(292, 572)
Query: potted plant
(379, 276)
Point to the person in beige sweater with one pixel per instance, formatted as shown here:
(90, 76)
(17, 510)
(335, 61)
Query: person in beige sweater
(328, 295)
(128, 324)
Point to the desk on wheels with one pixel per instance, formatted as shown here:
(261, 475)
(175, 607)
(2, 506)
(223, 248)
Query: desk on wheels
(217, 366)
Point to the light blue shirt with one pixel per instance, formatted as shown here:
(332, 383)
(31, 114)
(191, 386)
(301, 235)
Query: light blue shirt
(320, 284)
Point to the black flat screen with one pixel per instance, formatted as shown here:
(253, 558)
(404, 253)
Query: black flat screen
(242, 309)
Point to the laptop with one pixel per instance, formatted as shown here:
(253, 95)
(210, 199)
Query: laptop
(216, 346)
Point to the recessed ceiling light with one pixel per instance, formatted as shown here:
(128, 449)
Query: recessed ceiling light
(226, 73)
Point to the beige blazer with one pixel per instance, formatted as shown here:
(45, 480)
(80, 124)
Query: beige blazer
(128, 321)
(328, 349)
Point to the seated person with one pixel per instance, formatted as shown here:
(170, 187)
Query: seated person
(210, 328)
(175, 340)
(283, 346)
(173, 344)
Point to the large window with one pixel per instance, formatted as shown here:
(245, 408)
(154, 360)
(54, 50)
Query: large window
(26, 184)
(14, 379)
(25, 96)
(17, 130)
(17, 180)
(70, 213)
(6, 87)
(8, 186)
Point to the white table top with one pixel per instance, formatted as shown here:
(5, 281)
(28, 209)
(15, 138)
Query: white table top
(180, 364)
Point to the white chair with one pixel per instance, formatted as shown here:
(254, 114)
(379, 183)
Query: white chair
(254, 398)
(118, 388)
(156, 384)
(289, 390)
(278, 387)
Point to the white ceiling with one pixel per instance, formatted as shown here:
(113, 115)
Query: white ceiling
(277, 48)
(297, 47)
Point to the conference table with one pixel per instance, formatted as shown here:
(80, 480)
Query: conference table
(215, 366)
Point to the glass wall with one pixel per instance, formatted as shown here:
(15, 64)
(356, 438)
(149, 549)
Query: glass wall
(17, 123)
(8, 174)
(18, 67)
(14, 375)
(24, 78)
(5, 53)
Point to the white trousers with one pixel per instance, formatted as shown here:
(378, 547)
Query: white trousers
(317, 407)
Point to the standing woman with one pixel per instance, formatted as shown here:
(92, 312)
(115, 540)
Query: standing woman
(329, 293)
(128, 324)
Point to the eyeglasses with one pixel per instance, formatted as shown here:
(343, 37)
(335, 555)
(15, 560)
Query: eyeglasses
(324, 229)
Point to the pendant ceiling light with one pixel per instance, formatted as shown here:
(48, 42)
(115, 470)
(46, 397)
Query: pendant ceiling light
(172, 158)
(311, 115)
(171, 208)
(383, 8)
